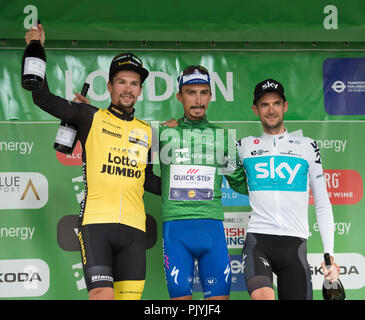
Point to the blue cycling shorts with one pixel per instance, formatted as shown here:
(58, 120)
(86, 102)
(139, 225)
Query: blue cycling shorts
(201, 239)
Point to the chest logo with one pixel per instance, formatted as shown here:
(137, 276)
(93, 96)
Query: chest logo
(283, 170)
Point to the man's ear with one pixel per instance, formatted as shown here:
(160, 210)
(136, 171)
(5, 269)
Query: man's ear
(179, 97)
(254, 109)
(109, 86)
(286, 105)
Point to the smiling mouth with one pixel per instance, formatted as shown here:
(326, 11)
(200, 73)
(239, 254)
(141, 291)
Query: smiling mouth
(126, 97)
(197, 108)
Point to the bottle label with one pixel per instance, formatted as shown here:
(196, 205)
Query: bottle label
(65, 136)
(35, 66)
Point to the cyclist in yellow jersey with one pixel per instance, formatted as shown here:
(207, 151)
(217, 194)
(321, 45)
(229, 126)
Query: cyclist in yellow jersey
(116, 152)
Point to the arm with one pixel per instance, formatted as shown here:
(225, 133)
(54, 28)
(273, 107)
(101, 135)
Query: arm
(172, 123)
(323, 209)
(152, 182)
(322, 203)
(237, 179)
(234, 171)
(54, 105)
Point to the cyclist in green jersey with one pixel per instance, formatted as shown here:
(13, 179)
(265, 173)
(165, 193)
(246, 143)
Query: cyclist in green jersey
(194, 156)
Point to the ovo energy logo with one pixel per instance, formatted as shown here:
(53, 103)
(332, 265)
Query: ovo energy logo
(23, 190)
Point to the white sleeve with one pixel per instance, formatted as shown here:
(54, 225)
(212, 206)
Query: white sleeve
(322, 203)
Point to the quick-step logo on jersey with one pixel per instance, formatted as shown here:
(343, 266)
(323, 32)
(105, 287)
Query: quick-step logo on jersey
(276, 173)
(191, 182)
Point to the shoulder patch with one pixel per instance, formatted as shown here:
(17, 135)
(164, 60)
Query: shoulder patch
(144, 122)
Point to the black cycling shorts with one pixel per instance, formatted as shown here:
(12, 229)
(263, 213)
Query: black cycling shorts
(112, 252)
(285, 256)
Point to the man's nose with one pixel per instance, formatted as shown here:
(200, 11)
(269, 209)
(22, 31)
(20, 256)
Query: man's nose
(127, 87)
(271, 108)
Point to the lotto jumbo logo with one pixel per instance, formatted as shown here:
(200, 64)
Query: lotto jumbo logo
(23, 190)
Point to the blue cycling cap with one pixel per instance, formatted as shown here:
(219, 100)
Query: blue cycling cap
(193, 74)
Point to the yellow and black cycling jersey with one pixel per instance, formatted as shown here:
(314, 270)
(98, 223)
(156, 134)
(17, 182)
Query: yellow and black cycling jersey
(116, 153)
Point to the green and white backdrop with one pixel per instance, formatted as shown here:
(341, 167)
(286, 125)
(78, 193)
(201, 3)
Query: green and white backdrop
(315, 48)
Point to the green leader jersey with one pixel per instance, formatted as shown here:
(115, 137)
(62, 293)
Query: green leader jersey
(194, 156)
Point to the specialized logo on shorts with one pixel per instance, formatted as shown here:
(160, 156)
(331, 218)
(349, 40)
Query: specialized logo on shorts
(276, 173)
(227, 272)
(174, 274)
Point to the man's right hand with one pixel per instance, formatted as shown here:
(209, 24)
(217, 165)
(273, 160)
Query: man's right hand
(172, 123)
(35, 33)
(80, 99)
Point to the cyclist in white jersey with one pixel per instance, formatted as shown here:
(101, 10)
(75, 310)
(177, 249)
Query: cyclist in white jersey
(280, 169)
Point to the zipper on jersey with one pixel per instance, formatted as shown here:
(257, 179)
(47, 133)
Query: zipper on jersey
(277, 199)
(122, 187)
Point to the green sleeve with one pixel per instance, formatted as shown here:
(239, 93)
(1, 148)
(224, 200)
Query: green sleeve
(237, 179)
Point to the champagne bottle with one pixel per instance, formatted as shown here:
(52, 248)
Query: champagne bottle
(334, 290)
(33, 65)
(66, 137)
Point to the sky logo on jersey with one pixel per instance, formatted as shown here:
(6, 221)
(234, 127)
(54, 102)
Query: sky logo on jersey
(344, 86)
(276, 173)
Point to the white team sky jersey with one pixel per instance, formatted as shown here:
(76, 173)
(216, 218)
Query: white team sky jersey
(280, 170)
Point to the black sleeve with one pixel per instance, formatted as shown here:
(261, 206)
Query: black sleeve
(80, 114)
(152, 182)
(59, 107)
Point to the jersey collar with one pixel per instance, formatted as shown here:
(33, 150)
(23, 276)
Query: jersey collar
(194, 123)
(280, 136)
(120, 113)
